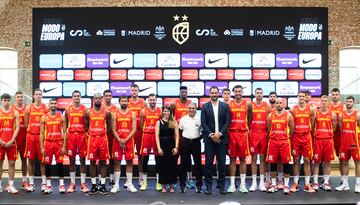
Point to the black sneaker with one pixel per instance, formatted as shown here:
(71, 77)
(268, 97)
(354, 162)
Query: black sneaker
(111, 184)
(198, 189)
(94, 189)
(103, 189)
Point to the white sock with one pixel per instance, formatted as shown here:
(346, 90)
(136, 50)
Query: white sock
(82, 177)
(326, 179)
(117, 177)
(129, 177)
(242, 179)
(112, 177)
(31, 179)
(286, 181)
(145, 177)
(232, 180)
(261, 179)
(307, 180)
(99, 177)
(280, 176)
(296, 179)
(103, 180)
(316, 178)
(11, 183)
(357, 180)
(0, 184)
(267, 176)
(61, 182)
(48, 182)
(189, 175)
(345, 180)
(273, 181)
(43, 179)
(253, 179)
(93, 180)
(24, 179)
(157, 177)
(141, 175)
(72, 177)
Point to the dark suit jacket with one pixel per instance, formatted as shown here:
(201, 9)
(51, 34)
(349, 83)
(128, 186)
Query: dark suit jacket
(208, 122)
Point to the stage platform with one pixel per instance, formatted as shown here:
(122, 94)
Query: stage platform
(190, 197)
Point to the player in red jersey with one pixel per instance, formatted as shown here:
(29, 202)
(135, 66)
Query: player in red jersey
(308, 99)
(148, 118)
(325, 123)
(32, 116)
(349, 120)
(74, 119)
(280, 176)
(280, 126)
(136, 104)
(337, 107)
(258, 138)
(180, 109)
(53, 141)
(123, 128)
(301, 141)
(97, 125)
(9, 129)
(226, 95)
(20, 107)
(240, 116)
(107, 95)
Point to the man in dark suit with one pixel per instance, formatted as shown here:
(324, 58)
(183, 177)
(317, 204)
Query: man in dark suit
(215, 120)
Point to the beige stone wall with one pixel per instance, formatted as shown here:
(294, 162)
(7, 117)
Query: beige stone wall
(16, 23)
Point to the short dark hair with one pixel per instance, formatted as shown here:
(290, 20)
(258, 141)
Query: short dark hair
(123, 97)
(134, 86)
(36, 89)
(258, 89)
(303, 91)
(183, 87)
(75, 91)
(107, 91)
(5, 96)
(19, 93)
(214, 87)
(273, 93)
(237, 86)
(226, 89)
(336, 90)
(152, 94)
(52, 99)
(350, 97)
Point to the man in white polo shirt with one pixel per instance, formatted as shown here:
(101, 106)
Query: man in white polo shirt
(190, 145)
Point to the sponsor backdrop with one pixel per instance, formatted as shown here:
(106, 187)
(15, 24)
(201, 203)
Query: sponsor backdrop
(93, 49)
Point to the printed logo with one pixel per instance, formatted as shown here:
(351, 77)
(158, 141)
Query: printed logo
(240, 60)
(80, 32)
(65, 75)
(313, 74)
(264, 33)
(136, 74)
(145, 60)
(225, 74)
(169, 101)
(168, 60)
(171, 74)
(106, 32)
(287, 88)
(265, 85)
(120, 88)
(289, 33)
(168, 88)
(219, 60)
(243, 74)
(52, 32)
(287, 60)
(121, 60)
(97, 61)
(51, 89)
(159, 32)
(295, 74)
(96, 87)
(206, 32)
(195, 88)
(245, 84)
(50, 61)
(203, 101)
(180, 32)
(82, 74)
(220, 85)
(313, 87)
(146, 88)
(234, 32)
(189, 74)
(63, 103)
(118, 75)
(154, 74)
(192, 60)
(74, 60)
(278, 74)
(310, 32)
(260, 74)
(310, 60)
(263, 60)
(207, 74)
(100, 75)
(69, 87)
(46, 75)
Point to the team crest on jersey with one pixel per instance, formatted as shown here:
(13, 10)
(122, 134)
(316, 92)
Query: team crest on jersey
(116, 154)
(294, 152)
(69, 152)
(270, 157)
(144, 150)
(316, 156)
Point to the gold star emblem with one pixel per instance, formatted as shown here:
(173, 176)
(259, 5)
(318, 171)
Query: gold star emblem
(176, 17)
(184, 17)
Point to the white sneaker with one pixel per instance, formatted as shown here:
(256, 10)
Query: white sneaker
(43, 187)
(357, 188)
(125, 185)
(253, 187)
(343, 187)
(115, 188)
(131, 188)
(231, 188)
(262, 187)
(48, 190)
(243, 189)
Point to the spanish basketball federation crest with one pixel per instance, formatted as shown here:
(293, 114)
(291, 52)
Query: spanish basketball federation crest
(180, 32)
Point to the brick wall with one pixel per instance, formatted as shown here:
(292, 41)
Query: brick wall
(16, 23)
